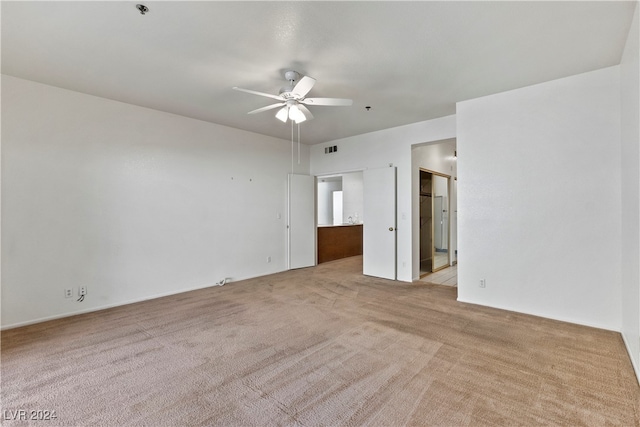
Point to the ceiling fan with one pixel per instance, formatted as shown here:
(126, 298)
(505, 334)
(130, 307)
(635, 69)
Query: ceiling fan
(292, 99)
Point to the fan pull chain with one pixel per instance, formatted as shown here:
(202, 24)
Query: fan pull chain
(291, 146)
(298, 143)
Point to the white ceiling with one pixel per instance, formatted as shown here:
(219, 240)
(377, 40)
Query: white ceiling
(409, 61)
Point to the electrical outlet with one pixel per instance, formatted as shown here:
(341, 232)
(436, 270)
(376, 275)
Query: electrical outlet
(68, 292)
(483, 283)
(268, 259)
(82, 290)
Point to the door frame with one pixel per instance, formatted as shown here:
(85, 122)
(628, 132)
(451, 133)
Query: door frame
(319, 177)
(344, 172)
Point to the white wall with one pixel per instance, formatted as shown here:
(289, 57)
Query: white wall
(436, 157)
(377, 150)
(630, 254)
(131, 202)
(539, 199)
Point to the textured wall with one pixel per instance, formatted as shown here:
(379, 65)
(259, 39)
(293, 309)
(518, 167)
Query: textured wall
(630, 94)
(131, 202)
(539, 199)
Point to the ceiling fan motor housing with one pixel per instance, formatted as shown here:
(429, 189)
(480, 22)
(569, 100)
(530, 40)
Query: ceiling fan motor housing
(292, 76)
(285, 91)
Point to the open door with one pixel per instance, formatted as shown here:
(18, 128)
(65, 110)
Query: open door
(379, 234)
(301, 227)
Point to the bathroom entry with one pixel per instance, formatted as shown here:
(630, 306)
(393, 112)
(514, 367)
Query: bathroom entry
(434, 221)
(339, 216)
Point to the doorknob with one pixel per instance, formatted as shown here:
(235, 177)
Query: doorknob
(390, 228)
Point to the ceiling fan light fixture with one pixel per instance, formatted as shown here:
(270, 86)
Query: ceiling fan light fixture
(295, 114)
(282, 114)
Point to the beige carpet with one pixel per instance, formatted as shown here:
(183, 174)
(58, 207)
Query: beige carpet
(324, 346)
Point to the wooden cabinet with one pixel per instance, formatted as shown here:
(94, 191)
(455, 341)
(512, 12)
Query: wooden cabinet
(340, 241)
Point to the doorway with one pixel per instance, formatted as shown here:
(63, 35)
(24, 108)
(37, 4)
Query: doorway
(434, 221)
(339, 215)
(367, 221)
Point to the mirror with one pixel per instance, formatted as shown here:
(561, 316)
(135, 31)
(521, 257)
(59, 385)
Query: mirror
(339, 199)
(328, 189)
(440, 222)
(434, 222)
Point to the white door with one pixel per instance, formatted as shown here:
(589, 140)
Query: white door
(379, 234)
(302, 222)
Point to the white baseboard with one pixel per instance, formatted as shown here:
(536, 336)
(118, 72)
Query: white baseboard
(118, 304)
(558, 318)
(634, 361)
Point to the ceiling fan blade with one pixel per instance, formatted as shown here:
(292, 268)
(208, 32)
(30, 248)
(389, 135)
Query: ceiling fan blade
(268, 107)
(337, 102)
(268, 95)
(305, 111)
(303, 87)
